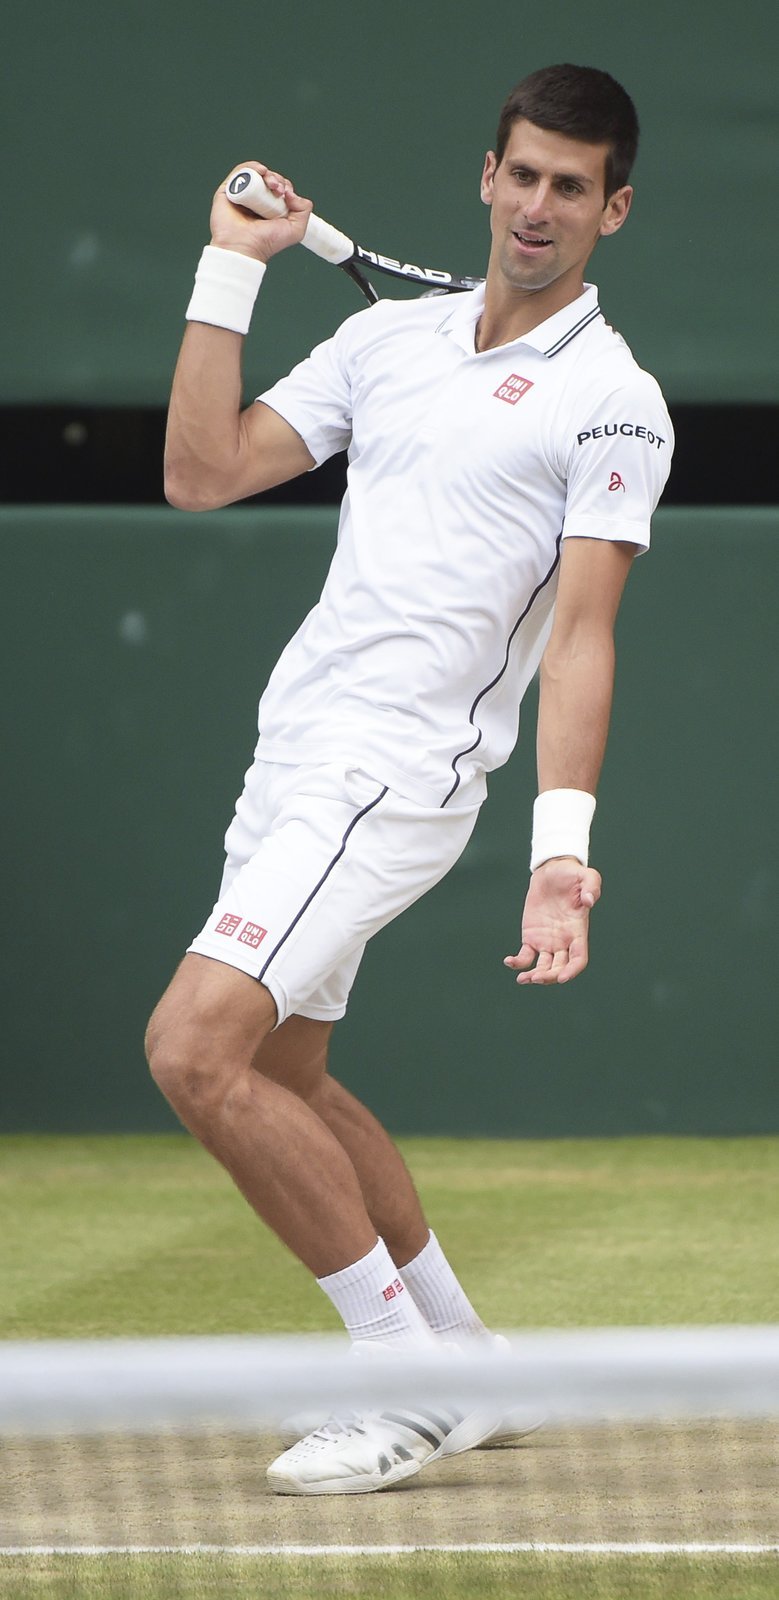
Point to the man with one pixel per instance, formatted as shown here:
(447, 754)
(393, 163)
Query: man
(505, 457)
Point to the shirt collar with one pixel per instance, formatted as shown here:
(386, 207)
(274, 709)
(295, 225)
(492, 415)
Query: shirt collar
(547, 338)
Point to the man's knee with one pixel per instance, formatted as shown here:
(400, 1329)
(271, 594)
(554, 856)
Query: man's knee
(204, 1034)
(183, 1067)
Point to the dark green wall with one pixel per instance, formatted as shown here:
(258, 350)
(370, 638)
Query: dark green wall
(119, 122)
(134, 646)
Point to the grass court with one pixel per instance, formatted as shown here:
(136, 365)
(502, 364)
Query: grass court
(146, 1236)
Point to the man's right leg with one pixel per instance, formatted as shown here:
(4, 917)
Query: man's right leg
(202, 1042)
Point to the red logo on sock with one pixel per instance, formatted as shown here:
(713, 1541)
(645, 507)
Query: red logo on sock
(392, 1290)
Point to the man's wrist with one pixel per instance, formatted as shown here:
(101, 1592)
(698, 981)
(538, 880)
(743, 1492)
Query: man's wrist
(227, 283)
(231, 247)
(561, 826)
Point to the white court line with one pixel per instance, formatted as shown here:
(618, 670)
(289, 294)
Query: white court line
(524, 1548)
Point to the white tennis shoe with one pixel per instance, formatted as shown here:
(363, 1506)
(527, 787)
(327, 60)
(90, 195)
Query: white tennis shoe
(358, 1455)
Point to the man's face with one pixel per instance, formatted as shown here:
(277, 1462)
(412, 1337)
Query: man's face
(548, 207)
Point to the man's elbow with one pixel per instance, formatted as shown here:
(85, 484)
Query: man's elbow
(191, 491)
(183, 498)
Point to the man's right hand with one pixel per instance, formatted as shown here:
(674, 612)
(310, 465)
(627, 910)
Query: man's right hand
(235, 228)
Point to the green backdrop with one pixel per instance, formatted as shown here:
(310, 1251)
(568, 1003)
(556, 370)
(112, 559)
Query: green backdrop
(135, 644)
(119, 122)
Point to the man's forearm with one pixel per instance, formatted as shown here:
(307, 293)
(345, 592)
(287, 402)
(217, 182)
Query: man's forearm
(573, 715)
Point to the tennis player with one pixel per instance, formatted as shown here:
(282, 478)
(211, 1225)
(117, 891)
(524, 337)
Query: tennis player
(505, 455)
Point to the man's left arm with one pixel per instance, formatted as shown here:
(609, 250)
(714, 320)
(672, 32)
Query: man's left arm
(576, 684)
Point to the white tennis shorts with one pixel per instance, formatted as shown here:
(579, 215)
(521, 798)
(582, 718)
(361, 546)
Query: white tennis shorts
(318, 859)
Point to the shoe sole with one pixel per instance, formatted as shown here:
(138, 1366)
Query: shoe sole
(369, 1483)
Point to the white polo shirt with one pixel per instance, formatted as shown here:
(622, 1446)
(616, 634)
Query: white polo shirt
(465, 472)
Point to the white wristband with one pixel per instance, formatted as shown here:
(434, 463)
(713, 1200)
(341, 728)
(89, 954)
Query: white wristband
(561, 825)
(226, 287)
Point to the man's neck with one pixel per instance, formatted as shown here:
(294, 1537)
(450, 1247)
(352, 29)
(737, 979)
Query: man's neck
(511, 313)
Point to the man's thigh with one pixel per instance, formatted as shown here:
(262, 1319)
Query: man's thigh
(212, 1008)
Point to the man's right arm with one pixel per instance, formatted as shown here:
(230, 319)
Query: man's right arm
(215, 452)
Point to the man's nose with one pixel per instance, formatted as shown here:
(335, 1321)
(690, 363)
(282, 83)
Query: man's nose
(535, 205)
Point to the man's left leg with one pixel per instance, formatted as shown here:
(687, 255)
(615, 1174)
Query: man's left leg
(296, 1056)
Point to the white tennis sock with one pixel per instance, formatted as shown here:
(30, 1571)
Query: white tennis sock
(438, 1293)
(373, 1301)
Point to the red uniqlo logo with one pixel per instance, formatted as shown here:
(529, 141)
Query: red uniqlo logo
(512, 389)
(392, 1290)
(228, 925)
(252, 934)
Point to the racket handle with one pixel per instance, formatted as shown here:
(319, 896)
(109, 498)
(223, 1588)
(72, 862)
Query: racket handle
(246, 188)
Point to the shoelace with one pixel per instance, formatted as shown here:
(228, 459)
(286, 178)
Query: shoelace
(345, 1422)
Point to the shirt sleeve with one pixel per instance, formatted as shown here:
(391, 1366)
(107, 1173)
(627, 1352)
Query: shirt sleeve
(316, 397)
(617, 452)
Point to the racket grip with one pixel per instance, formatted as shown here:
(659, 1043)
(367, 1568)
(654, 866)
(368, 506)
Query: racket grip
(247, 188)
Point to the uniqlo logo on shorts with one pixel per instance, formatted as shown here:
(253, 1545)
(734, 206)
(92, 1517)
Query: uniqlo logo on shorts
(392, 1290)
(512, 389)
(252, 934)
(228, 925)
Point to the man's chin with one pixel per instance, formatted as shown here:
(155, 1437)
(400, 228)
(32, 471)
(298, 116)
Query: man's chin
(529, 279)
(529, 284)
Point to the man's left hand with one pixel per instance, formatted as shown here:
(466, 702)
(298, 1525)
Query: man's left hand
(555, 922)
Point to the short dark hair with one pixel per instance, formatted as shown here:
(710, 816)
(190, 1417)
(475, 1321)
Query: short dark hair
(583, 103)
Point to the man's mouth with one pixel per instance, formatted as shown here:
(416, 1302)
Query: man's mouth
(533, 241)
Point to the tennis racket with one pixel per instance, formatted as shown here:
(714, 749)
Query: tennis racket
(246, 188)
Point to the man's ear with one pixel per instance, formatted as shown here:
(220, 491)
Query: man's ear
(487, 177)
(617, 208)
